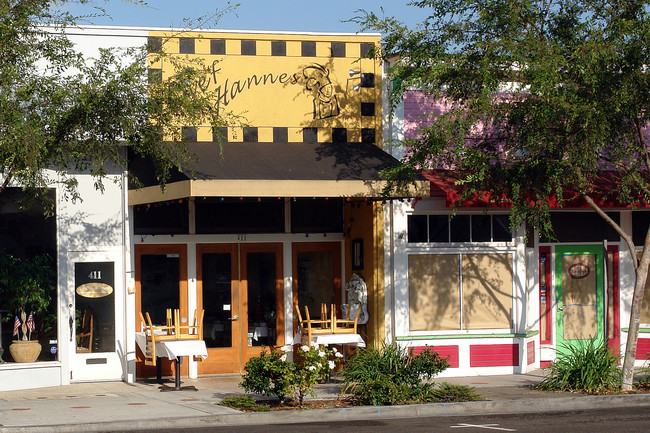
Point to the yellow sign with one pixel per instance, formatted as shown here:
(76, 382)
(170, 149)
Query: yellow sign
(94, 290)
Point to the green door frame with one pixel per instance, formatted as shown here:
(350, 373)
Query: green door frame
(560, 251)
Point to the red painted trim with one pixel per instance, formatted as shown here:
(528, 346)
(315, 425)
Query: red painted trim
(449, 352)
(494, 355)
(643, 348)
(543, 364)
(546, 311)
(530, 352)
(443, 184)
(614, 343)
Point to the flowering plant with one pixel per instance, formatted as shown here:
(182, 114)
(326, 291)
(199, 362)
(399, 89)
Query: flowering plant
(268, 374)
(274, 374)
(312, 363)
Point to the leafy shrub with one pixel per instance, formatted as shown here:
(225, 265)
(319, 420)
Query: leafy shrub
(239, 401)
(586, 366)
(274, 374)
(391, 374)
(267, 374)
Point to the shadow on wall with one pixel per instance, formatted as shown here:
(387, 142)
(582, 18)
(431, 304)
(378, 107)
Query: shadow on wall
(436, 290)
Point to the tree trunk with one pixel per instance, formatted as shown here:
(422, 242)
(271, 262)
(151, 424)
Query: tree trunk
(635, 314)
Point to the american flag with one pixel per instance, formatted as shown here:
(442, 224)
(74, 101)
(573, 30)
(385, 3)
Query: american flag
(30, 323)
(16, 326)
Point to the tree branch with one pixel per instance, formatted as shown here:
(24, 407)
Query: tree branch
(627, 238)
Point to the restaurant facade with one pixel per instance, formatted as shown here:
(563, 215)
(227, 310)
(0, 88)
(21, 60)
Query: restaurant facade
(282, 207)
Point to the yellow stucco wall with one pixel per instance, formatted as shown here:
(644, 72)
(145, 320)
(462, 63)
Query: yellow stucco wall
(291, 91)
(364, 220)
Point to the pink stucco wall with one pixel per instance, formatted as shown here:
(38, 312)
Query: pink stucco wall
(418, 109)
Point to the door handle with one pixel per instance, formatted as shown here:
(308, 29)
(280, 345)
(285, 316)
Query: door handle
(71, 322)
(234, 318)
(560, 308)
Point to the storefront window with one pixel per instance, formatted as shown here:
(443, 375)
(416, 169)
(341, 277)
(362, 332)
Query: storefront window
(27, 235)
(460, 291)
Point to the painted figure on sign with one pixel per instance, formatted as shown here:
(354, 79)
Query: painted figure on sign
(318, 82)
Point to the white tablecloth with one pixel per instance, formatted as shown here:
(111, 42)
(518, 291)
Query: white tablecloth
(327, 339)
(174, 348)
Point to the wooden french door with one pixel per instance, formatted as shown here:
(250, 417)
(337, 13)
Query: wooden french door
(316, 274)
(160, 283)
(240, 287)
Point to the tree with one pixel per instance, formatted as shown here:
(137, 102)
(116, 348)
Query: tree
(543, 98)
(63, 112)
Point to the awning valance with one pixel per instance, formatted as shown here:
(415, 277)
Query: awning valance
(443, 184)
(274, 170)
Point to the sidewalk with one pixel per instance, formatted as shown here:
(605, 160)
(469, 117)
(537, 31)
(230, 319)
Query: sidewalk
(118, 406)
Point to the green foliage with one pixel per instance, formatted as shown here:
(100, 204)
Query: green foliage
(72, 114)
(391, 374)
(26, 285)
(536, 99)
(239, 401)
(446, 392)
(588, 367)
(268, 374)
(274, 374)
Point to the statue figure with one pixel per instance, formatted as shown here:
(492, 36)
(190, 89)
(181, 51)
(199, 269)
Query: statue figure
(357, 299)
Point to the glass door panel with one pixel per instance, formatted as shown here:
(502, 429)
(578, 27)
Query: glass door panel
(317, 276)
(261, 292)
(262, 298)
(218, 295)
(217, 282)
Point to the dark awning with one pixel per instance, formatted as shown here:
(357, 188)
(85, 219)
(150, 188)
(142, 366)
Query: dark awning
(274, 170)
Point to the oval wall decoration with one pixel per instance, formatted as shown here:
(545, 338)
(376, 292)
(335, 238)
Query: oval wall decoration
(579, 270)
(94, 290)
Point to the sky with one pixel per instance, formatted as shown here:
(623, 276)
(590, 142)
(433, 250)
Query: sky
(268, 15)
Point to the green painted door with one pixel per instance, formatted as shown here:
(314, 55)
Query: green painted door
(579, 295)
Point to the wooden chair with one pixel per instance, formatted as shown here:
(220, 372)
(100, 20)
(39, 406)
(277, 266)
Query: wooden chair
(150, 338)
(315, 326)
(302, 325)
(84, 343)
(344, 326)
(169, 322)
(191, 331)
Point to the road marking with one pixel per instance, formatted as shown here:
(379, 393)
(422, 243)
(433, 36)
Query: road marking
(484, 426)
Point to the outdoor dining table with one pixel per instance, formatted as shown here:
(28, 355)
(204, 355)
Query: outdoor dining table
(327, 339)
(174, 350)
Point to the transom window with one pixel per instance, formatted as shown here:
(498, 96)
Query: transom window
(460, 228)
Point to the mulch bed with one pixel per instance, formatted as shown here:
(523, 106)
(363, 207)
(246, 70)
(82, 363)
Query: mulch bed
(306, 405)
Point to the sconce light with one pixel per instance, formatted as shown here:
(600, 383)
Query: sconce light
(356, 87)
(353, 72)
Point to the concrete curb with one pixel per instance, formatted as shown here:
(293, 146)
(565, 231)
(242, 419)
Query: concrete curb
(536, 405)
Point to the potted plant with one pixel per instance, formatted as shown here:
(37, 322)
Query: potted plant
(26, 284)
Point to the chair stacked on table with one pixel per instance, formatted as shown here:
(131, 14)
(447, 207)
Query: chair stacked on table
(173, 330)
(327, 324)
